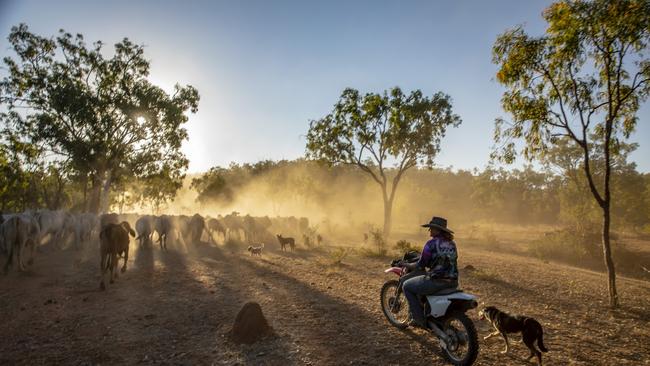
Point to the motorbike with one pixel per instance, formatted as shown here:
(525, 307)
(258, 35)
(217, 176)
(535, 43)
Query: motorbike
(445, 314)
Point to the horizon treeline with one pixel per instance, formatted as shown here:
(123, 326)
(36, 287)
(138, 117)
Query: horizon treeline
(342, 197)
(345, 196)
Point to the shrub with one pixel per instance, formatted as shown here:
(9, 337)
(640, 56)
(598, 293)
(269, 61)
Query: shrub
(574, 245)
(404, 246)
(338, 254)
(379, 241)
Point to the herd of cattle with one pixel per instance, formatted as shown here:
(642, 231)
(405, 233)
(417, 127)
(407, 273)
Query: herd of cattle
(24, 232)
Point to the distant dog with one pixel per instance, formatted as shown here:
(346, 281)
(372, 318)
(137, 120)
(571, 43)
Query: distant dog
(504, 323)
(256, 250)
(286, 241)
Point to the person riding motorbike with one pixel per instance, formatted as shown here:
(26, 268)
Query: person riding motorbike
(441, 257)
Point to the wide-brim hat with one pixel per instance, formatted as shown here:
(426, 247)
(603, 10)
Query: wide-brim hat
(439, 223)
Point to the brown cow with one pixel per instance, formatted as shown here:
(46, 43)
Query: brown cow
(114, 239)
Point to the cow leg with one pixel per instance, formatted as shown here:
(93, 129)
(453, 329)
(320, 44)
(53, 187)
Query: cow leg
(21, 248)
(113, 267)
(102, 269)
(32, 248)
(126, 259)
(10, 255)
(56, 238)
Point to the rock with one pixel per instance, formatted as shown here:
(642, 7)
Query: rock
(250, 325)
(469, 267)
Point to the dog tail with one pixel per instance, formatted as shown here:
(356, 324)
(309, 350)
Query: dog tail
(540, 339)
(540, 342)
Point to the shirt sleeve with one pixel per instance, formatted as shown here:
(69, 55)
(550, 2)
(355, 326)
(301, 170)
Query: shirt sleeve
(425, 257)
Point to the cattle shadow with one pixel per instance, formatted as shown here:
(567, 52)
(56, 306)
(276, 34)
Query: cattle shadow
(225, 299)
(144, 259)
(205, 249)
(501, 284)
(334, 323)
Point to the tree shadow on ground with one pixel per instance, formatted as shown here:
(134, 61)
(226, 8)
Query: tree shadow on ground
(332, 326)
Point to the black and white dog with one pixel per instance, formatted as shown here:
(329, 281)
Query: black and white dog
(504, 323)
(256, 250)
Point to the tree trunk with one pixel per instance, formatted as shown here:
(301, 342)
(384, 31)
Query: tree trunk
(609, 263)
(105, 195)
(85, 208)
(388, 213)
(95, 193)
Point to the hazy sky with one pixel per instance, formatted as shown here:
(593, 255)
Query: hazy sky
(265, 68)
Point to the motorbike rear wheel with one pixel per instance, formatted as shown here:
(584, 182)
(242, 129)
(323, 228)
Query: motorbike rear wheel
(462, 349)
(394, 306)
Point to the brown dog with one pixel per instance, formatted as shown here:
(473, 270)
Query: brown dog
(504, 323)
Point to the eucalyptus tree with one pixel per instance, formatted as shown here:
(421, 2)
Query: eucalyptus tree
(101, 115)
(583, 80)
(384, 135)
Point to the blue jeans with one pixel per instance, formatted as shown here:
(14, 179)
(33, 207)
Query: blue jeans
(420, 286)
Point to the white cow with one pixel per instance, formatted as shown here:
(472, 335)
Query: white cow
(84, 226)
(55, 223)
(145, 227)
(16, 233)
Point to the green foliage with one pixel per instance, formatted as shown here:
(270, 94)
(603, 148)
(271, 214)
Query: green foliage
(570, 245)
(370, 131)
(580, 246)
(527, 195)
(519, 196)
(584, 81)
(100, 115)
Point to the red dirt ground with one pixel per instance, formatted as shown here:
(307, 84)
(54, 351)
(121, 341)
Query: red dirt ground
(176, 308)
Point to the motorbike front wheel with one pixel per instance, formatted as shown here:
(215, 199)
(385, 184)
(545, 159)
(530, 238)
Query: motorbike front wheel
(462, 348)
(394, 306)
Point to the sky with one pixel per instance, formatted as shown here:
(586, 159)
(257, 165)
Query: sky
(264, 69)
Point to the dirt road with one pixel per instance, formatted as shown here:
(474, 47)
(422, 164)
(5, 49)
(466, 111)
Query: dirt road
(175, 308)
